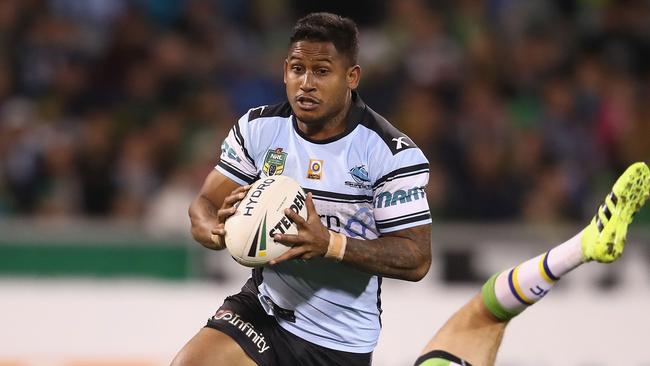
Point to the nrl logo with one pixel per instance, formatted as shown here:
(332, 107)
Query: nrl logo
(274, 162)
(360, 176)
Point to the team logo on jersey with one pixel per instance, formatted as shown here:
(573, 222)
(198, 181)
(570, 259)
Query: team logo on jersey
(360, 176)
(274, 162)
(258, 247)
(315, 169)
(399, 142)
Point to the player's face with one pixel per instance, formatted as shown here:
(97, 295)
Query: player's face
(318, 81)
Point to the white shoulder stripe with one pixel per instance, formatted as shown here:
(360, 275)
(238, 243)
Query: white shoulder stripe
(424, 167)
(416, 221)
(392, 219)
(399, 176)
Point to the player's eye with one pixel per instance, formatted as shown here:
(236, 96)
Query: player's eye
(322, 72)
(297, 68)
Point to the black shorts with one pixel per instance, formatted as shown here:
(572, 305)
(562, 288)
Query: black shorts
(242, 318)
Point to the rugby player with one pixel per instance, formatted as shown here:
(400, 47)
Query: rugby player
(473, 335)
(368, 217)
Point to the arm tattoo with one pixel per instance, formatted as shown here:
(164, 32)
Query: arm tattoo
(405, 254)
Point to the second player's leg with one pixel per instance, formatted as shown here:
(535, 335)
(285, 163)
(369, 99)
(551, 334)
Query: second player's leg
(210, 347)
(475, 332)
(472, 334)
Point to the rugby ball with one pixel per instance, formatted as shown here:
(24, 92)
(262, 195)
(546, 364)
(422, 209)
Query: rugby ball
(259, 216)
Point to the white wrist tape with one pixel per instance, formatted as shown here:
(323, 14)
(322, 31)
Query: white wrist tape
(336, 247)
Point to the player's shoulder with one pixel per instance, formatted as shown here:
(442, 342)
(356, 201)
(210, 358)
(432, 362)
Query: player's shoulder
(282, 110)
(392, 152)
(388, 136)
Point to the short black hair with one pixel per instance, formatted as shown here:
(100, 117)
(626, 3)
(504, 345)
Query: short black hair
(328, 27)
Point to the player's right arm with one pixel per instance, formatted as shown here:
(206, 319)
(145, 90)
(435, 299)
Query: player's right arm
(212, 206)
(223, 187)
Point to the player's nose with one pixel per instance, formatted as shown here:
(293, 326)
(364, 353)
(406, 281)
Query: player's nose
(307, 82)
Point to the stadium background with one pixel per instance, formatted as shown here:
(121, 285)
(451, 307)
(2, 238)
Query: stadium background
(112, 113)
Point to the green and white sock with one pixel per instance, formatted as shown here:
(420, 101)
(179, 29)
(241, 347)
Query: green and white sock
(508, 293)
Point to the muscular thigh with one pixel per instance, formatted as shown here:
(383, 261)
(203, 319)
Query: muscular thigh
(210, 347)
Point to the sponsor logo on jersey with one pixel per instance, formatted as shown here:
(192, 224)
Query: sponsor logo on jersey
(258, 247)
(228, 151)
(245, 327)
(360, 176)
(399, 142)
(332, 222)
(315, 169)
(386, 199)
(274, 162)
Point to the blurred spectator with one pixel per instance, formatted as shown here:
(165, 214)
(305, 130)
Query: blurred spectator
(95, 156)
(117, 108)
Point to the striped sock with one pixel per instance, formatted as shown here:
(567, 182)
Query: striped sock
(508, 293)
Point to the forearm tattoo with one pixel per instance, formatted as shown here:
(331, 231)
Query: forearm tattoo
(401, 255)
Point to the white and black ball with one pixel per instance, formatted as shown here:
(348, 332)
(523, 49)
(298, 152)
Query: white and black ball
(259, 216)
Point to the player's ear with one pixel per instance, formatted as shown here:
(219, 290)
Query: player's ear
(354, 76)
(286, 65)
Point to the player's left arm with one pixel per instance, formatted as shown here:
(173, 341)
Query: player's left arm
(404, 254)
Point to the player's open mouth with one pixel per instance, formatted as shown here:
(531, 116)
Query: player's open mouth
(307, 103)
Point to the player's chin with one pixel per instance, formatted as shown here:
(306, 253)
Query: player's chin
(308, 117)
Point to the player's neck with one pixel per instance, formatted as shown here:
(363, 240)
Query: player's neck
(328, 129)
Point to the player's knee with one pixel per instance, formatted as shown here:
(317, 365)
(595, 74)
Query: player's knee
(184, 358)
(212, 348)
(189, 358)
(194, 353)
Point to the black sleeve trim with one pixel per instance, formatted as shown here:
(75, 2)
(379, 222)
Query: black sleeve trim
(232, 170)
(415, 169)
(237, 169)
(402, 217)
(399, 176)
(426, 216)
(240, 139)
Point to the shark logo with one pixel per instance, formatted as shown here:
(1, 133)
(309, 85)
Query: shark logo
(360, 176)
(260, 238)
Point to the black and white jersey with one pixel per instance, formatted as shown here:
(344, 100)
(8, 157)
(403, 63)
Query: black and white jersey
(365, 182)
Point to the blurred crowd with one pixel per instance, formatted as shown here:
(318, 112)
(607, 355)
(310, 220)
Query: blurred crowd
(527, 110)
